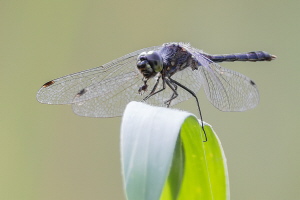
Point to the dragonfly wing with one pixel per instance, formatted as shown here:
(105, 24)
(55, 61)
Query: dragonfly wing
(112, 96)
(72, 88)
(227, 90)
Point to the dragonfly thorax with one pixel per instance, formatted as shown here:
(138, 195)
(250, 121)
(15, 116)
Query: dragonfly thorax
(149, 63)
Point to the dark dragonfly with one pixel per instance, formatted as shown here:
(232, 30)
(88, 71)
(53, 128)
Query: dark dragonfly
(160, 75)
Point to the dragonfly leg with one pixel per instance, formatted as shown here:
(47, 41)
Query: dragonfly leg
(194, 95)
(153, 91)
(173, 87)
(143, 88)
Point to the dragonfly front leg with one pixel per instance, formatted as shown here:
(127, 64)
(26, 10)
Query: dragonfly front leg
(143, 88)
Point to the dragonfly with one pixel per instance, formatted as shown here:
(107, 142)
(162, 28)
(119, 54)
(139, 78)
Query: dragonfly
(160, 75)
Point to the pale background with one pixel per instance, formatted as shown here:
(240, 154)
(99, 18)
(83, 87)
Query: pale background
(48, 153)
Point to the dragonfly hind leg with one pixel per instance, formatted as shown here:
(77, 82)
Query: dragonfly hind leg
(173, 87)
(172, 81)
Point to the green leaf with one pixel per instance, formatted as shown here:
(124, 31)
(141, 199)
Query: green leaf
(164, 156)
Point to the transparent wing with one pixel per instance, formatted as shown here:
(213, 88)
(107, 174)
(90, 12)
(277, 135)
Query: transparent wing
(112, 96)
(99, 92)
(227, 90)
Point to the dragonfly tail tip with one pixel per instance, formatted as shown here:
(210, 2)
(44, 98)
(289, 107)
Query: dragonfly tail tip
(273, 57)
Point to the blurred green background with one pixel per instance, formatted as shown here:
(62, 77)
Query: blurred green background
(47, 152)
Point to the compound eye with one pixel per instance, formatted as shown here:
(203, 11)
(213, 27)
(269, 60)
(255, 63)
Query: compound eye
(155, 60)
(141, 56)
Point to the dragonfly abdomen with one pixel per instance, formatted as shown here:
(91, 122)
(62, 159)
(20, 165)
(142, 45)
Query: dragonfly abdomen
(250, 56)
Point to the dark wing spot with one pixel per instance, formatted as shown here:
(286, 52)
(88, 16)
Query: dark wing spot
(83, 91)
(251, 82)
(48, 84)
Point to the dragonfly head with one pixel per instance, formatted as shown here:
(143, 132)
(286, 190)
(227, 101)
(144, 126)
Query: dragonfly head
(149, 63)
